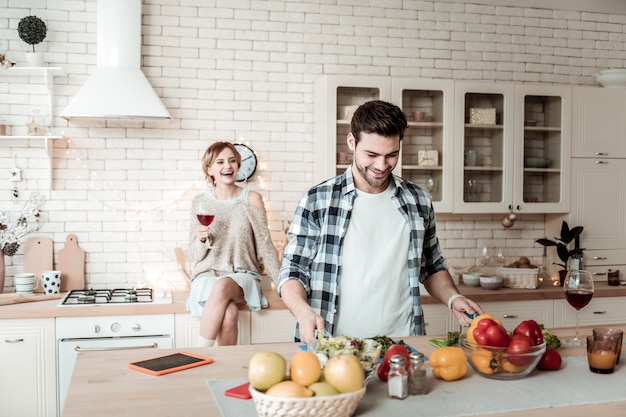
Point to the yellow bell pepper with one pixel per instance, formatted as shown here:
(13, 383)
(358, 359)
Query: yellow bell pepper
(449, 363)
(485, 361)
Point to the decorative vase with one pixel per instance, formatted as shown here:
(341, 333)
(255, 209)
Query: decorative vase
(2, 271)
(34, 59)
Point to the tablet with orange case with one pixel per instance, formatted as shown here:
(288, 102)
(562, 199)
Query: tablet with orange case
(166, 364)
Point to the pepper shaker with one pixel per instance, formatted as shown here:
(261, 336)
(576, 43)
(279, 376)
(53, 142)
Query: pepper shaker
(417, 374)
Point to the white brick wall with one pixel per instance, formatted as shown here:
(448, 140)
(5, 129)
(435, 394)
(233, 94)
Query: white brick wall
(244, 71)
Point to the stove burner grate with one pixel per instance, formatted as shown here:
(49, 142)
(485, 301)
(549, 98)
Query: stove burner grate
(108, 296)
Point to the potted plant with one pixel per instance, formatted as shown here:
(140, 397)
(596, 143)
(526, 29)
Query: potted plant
(562, 246)
(33, 31)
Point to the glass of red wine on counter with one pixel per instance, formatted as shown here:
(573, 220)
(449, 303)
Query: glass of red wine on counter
(578, 288)
(205, 216)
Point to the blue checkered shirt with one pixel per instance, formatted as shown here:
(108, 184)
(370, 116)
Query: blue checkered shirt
(313, 254)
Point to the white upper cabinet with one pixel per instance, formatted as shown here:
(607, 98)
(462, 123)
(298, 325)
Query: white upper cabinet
(599, 119)
(510, 148)
(427, 158)
(336, 98)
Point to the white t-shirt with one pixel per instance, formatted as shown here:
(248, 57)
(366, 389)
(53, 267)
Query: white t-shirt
(374, 291)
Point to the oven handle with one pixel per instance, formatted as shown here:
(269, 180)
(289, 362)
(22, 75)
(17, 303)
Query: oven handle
(103, 349)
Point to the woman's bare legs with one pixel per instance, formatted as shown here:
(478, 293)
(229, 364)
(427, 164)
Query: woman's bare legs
(220, 312)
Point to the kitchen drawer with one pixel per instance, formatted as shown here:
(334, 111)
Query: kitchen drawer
(600, 311)
(272, 326)
(595, 257)
(601, 273)
(512, 313)
(439, 320)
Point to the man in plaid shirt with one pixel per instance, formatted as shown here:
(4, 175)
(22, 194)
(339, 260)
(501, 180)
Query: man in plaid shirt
(361, 242)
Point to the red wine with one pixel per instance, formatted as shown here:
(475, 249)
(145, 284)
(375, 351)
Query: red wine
(578, 298)
(205, 219)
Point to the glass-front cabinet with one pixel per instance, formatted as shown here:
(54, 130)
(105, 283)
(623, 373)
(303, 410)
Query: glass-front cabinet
(477, 147)
(427, 157)
(337, 97)
(510, 154)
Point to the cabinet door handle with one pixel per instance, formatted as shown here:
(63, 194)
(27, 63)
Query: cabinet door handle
(14, 340)
(509, 316)
(600, 258)
(602, 162)
(599, 312)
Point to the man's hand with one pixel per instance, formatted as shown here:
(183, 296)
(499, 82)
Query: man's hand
(310, 322)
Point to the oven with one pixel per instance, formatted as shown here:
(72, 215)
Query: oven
(107, 332)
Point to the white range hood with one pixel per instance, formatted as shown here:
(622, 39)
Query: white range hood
(117, 89)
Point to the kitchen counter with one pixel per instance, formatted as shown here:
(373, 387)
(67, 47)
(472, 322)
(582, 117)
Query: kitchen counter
(103, 378)
(50, 309)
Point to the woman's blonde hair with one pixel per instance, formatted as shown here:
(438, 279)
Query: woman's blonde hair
(212, 153)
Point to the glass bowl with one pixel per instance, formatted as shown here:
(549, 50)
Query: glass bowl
(494, 363)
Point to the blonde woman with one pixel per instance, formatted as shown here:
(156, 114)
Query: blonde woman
(226, 255)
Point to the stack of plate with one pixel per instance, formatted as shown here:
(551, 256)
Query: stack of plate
(612, 78)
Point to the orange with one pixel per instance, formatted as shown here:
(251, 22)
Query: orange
(305, 368)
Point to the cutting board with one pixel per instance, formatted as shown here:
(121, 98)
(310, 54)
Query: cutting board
(38, 257)
(72, 265)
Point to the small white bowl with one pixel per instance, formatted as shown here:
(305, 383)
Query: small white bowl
(491, 283)
(471, 279)
(612, 78)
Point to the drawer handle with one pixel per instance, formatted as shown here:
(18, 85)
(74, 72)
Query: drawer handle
(602, 154)
(509, 316)
(14, 340)
(602, 162)
(600, 273)
(599, 312)
(600, 258)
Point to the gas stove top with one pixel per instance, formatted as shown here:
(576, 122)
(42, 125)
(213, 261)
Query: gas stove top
(117, 297)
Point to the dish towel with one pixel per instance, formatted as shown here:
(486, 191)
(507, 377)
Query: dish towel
(573, 384)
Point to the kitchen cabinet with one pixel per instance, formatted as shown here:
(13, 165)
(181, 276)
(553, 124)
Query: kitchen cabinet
(187, 329)
(427, 158)
(513, 313)
(599, 128)
(27, 359)
(439, 320)
(600, 311)
(31, 76)
(503, 126)
(272, 326)
(336, 98)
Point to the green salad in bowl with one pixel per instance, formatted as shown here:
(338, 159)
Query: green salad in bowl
(367, 350)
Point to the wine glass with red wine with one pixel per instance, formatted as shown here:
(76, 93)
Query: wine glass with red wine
(205, 215)
(578, 289)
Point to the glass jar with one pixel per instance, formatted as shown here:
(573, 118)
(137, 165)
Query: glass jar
(417, 374)
(397, 378)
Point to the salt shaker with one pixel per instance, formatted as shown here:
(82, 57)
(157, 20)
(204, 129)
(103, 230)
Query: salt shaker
(397, 378)
(417, 374)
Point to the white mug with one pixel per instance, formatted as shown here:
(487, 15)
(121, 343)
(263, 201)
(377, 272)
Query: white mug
(25, 283)
(51, 281)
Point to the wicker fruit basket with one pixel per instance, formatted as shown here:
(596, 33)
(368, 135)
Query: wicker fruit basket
(520, 277)
(341, 405)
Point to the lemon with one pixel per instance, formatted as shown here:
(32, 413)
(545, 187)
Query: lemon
(266, 369)
(289, 389)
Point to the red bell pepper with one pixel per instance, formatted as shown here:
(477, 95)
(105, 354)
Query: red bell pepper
(531, 329)
(489, 333)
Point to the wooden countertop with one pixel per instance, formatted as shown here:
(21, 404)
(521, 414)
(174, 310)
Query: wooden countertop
(49, 308)
(103, 378)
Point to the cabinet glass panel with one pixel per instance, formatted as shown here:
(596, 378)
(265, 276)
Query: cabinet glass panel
(542, 149)
(423, 143)
(483, 177)
(348, 100)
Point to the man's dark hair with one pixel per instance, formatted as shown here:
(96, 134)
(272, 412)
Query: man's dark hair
(380, 117)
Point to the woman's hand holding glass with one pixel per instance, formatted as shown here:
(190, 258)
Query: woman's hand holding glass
(205, 216)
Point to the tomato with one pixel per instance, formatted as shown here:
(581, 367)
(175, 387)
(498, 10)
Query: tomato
(395, 349)
(550, 361)
(519, 343)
